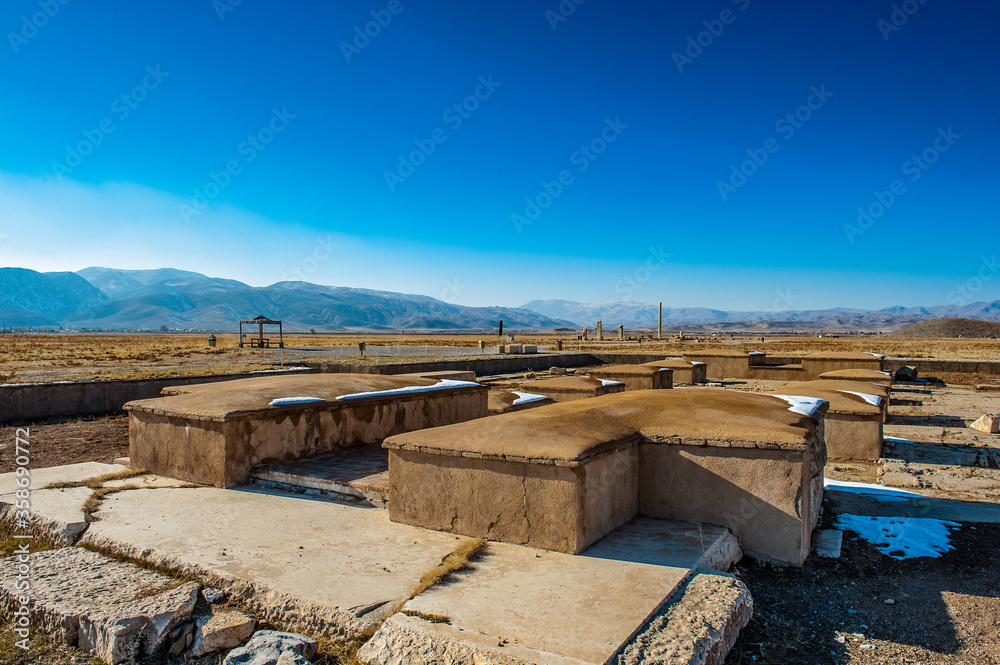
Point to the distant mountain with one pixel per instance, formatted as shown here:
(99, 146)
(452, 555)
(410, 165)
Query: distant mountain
(950, 327)
(148, 299)
(29, 298)
(641, 315)
(117, 284)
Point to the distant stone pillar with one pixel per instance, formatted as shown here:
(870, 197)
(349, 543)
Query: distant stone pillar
(659, 325)
(585, 333)
(621, 331)
(600, 332)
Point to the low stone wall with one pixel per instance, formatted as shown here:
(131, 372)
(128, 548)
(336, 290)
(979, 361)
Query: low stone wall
(32, 401)
(759, 495)
(932, 366)
(481, 366)
(515, 501)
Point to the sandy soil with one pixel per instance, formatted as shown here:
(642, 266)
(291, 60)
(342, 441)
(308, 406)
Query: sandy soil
(56, 442)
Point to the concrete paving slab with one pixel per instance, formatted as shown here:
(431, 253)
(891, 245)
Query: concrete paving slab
(556, 607)
(57, 515)
(68, 473)
(961, 481)
(323, 568)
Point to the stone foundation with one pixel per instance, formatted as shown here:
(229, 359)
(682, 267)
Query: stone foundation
(216, 433)
(562, 476)
(636, 377)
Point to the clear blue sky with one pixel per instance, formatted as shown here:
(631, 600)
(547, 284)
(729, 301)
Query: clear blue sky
(311, 118)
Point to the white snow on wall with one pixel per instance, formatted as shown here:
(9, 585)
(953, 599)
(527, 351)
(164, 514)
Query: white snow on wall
(443, 384)
(874, 400)
(289, 401)
(807, 406)
(525, 398)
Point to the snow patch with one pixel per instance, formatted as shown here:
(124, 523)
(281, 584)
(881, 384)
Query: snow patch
(874, 400)
(443, 384)
(289, 401)
(901, 537)
(894, 439)
(525, 398)
(279, 369)
(867, 488)
(609, 382)
(756, 353)
(807, 406)
(697, 362)
(877, 355)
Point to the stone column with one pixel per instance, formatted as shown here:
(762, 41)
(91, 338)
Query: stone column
(600, 332)
(585, 333)
(621, 331)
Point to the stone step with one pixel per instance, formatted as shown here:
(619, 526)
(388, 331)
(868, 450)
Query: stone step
(354, 475)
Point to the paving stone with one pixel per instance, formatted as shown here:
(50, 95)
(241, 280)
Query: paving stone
(112, 609)
(698, 626)
(827, 543)
(989, 423)
(266, 647)
(222, 629)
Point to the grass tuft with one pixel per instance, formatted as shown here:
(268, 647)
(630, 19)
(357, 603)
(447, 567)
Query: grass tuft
(452, 563)
(433, 618)
(97, 482)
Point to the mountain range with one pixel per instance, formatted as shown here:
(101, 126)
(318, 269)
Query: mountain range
(112, 299)
(644, 316)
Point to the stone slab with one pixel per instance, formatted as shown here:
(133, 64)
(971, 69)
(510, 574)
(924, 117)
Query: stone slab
(111, 609)
(698, 626)
(827, 543)
(68, 473)
(549, 607)
(57, 516)
(323, 568)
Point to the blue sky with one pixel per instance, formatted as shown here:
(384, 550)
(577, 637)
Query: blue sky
(714, 154)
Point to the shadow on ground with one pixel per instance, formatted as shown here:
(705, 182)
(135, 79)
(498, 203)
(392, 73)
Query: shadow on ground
(799, 613)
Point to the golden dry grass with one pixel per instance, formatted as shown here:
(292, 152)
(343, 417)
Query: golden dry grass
(102, 356)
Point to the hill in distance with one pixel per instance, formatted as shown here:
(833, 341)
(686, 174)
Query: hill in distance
(947, 327)
(110, 299)
(644, 316)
